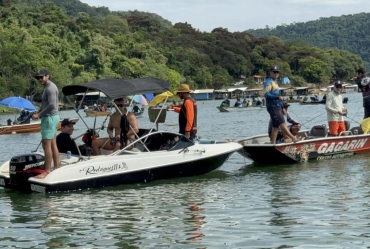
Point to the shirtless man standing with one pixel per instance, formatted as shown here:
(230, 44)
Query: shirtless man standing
(114, 130)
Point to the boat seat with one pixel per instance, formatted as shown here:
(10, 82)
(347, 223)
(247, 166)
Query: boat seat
(358, 129)
(319, 131)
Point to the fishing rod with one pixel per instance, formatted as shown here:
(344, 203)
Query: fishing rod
(37, 147)
(352, 119)
(303, 123)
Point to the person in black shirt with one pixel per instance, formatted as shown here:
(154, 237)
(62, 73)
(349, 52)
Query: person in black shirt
(65, 142)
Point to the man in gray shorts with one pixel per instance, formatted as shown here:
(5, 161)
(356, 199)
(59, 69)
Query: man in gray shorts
(49, 120)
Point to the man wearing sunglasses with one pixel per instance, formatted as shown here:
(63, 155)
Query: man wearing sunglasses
(49, 120)
(274, 105)
(335, 110)
(114, 129)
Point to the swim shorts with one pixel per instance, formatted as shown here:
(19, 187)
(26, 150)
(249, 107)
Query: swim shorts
(49, 126)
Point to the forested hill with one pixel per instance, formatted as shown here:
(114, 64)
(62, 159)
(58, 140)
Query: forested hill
(349, 32)
(78, 43)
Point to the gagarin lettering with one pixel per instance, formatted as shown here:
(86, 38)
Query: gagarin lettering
(326, 148)
(92, 170)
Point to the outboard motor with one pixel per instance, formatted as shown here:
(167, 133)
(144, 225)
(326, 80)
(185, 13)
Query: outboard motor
(22, 167)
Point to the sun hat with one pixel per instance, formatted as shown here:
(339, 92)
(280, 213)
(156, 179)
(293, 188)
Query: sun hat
(184, 88)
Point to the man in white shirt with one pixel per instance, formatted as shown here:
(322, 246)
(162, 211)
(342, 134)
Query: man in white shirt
(335, 110)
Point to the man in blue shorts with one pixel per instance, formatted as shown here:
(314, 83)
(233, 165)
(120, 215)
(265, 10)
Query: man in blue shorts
(49, 120)
(274, 106)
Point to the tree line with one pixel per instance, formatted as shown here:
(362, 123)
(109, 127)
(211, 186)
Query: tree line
(78, 43)
(346, 32)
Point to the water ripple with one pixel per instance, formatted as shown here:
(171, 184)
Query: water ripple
(241, 205)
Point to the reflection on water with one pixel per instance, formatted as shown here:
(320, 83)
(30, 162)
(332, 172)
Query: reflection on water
(241, 205)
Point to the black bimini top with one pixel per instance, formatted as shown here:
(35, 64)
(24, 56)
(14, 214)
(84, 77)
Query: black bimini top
(118, 88)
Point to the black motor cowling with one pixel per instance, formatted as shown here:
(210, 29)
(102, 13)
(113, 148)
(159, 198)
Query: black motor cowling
(22, 167)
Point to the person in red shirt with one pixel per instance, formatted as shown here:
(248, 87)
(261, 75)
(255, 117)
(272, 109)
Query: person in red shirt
(187, 113)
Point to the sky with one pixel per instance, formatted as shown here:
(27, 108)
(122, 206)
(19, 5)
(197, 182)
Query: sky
(238, 15)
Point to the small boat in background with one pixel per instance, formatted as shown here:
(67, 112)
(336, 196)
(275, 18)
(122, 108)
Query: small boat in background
(96, 113)
(243, 108)
(34, 126)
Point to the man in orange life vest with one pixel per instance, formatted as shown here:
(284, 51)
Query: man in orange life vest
(187, 113)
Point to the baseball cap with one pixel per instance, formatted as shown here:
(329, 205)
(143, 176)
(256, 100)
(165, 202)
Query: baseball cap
(41, 72)
(67, 121)
(275, 68)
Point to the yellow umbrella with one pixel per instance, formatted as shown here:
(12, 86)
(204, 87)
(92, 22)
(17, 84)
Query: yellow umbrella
(159, 98)
(365, 125)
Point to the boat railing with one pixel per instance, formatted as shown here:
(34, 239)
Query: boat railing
(155, 141)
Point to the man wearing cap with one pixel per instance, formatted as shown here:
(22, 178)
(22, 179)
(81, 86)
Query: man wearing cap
(187, 113)
(49, 120)
(64, 141)
(363, 84)
(274, 106)
(293, 128)
(335, 110)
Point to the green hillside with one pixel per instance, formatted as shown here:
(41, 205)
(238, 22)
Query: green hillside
(347, 32)
(78, 43)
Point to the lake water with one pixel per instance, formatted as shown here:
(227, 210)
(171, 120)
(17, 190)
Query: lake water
(322, 204)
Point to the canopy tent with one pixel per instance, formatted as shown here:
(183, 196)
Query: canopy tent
(118, 88)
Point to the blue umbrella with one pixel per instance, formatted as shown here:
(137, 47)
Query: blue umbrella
(19, 103)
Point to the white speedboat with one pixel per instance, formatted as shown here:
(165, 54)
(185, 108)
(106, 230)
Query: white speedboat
(156, 155)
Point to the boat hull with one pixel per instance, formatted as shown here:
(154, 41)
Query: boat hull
(26, 128)
(199, 167)
(323, 148)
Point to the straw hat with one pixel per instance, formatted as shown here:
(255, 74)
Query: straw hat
(183, 88)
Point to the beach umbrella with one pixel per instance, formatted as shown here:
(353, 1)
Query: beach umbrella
(19, 103)
(159, 98)
(140, 99)
(149, 96)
